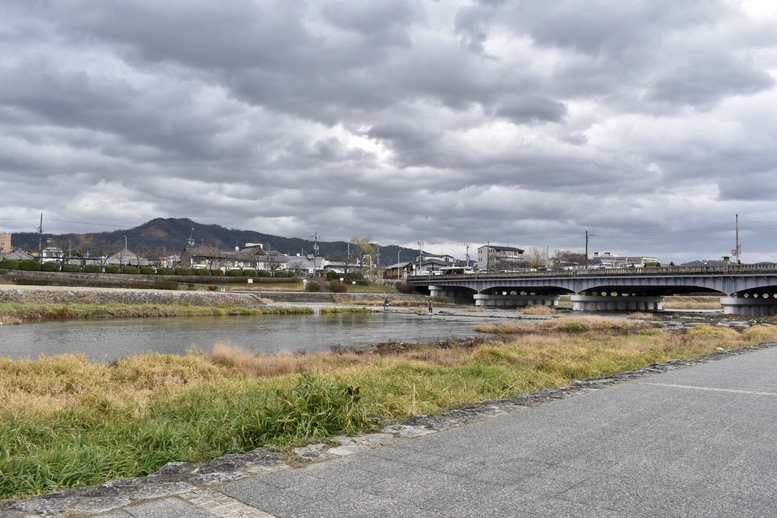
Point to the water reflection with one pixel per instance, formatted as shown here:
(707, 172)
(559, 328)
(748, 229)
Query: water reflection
(105, 340)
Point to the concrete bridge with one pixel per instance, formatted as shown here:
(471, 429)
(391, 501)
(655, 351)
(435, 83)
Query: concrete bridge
(749, 290)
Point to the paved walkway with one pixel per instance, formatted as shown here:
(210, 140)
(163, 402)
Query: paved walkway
(696, 441)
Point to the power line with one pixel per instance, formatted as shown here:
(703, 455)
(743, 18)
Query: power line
(83, 223)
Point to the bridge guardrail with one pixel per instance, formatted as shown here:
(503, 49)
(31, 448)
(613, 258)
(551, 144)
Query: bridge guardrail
(596, 272)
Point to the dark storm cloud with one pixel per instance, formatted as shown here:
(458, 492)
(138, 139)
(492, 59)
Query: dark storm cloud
(519, 122)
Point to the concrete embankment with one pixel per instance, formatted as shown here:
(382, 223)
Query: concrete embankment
(72, 295)
(92, 295)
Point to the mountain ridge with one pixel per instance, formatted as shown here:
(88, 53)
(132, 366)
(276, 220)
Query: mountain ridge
(165, 236)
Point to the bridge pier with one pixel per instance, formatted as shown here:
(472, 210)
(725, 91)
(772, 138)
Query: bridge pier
(751, 307)
(450, 293)
(616, 303)
(515, 301)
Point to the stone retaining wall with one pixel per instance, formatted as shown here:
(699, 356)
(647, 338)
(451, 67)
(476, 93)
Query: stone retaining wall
(68, 295)
(136, 297)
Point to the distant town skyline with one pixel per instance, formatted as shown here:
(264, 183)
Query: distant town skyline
(470, 249)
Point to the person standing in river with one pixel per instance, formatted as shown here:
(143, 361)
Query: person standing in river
(430, 306)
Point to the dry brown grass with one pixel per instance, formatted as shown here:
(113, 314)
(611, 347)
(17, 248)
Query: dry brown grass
(564, 325)
(538, 310)
(284, 363)
(640, 316)
(692, 302)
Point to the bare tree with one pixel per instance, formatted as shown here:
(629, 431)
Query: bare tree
(535, 257)
(564, 258)
(364, 248)
(273, 262)
(212, 254)
(295, 265)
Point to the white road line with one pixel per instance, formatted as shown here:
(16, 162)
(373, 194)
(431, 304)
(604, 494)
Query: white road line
(711, 389)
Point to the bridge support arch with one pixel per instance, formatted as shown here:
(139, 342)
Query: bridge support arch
(751, 307)
(616, 303)
(515, 301)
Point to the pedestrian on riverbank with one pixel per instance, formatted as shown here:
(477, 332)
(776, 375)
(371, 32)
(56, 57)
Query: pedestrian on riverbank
(430, 306)
(386, 304)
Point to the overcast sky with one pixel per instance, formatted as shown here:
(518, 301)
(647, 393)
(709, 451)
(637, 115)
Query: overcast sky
(649, 123)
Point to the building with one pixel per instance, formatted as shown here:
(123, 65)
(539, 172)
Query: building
(51, 253)
(125, 257)
(398, 271)
(611, 260)
(196, 257)
(19, 255)
(309, 265)
(495, 258)
(5, 244)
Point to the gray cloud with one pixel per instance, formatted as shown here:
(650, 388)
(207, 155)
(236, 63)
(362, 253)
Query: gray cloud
(650, 124)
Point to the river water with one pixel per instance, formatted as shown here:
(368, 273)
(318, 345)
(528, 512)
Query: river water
(106, 340)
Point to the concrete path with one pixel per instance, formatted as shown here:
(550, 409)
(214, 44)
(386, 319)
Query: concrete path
(697, 441)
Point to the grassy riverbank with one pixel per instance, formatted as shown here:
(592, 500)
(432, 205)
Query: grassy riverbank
(68, 422)
(14, 313)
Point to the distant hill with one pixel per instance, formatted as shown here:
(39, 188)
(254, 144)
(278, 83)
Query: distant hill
(167, 236)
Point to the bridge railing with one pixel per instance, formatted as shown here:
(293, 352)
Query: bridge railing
(604, 272)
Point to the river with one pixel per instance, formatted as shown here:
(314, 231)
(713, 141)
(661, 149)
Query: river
(105, 340)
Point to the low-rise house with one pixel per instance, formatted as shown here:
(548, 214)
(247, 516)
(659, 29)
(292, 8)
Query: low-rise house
(398, 271)
(51, 254)
(125, 257)
(429, 265)
(211, 258)
(18, 255)
(308, 265)
(265, 258)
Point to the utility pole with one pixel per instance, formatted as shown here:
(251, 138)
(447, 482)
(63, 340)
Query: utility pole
(466, 245)
(40, 239)
(420, 253)
(587, 235)
(738, 249)
(315, 250)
